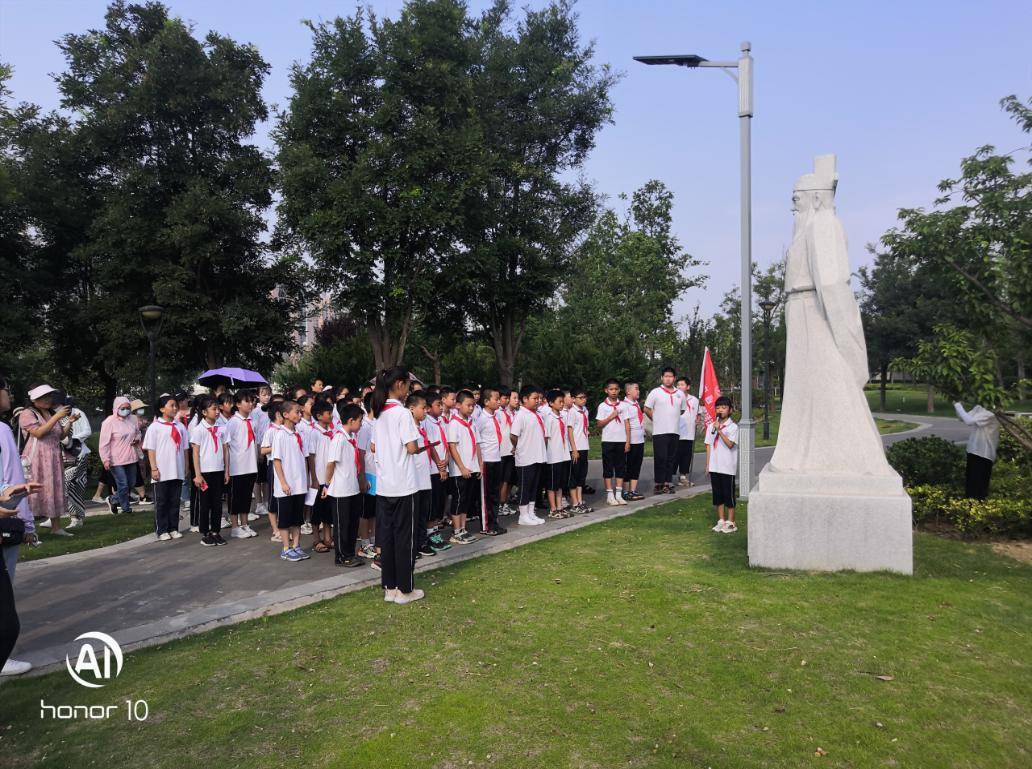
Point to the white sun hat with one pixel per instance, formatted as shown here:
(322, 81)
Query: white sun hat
(38, 392)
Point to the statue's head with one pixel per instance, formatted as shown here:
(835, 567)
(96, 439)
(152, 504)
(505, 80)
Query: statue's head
(817, 190)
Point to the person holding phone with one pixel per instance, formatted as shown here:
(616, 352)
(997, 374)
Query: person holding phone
(43, 426)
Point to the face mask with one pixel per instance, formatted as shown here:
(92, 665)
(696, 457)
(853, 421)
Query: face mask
(123, 412)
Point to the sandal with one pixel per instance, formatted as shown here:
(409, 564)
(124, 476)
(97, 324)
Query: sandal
(321, 547)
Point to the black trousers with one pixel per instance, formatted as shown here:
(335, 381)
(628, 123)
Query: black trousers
(166, 505)
(346, 513)
(528, 477)
(632, 465)
(395, 536)
(664, 451)
(685, 456)
(424, 500)
(437, 494)
(976, 481)
(209, 503)
(241, 487)
(10, 627)
(492, 494)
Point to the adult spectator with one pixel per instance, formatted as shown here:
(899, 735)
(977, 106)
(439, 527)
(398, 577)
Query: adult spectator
(43, 426)
(11, 474)
(76, 454)
(119, 438)
(981, 449)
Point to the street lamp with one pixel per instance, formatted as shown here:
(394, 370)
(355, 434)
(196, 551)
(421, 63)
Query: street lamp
(150, 319)
(768, 308)
(744, 65)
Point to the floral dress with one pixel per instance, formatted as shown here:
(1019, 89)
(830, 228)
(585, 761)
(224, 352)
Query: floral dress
(47, 467)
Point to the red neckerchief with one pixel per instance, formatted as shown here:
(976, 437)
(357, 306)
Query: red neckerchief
(497, 427)
(214, 430)
(541, 422)
(615, 407)
(176, 437)
(469, 429)
(250, 431)
(668, 392)
(508, 417)
(641, 414)
(354, 447)
(562, 428)
(584, 414)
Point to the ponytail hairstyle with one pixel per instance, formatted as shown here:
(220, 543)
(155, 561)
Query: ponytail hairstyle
(227, 399)
(385, 382)
(201, 403)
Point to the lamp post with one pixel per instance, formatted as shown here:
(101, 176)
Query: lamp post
(150, 319)
(744, 65)
(768, 308)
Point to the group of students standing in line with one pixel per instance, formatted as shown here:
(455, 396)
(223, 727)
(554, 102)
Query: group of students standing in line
(379, 478)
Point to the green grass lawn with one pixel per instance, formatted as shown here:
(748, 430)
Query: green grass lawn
(914, 400)
(644, 641)
(885, 426)
(99, 531)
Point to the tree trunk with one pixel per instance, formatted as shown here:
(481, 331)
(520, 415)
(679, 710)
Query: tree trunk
(931, 399)
(435, 361)
(881, 386)
(1021, 377)
(507, 336)
(388, 346)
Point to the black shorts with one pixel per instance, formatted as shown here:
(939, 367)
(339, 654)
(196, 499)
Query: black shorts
(322, 510)
(558, 475)
(614, 459)
(290, 511)
(508, 471)
(723, 486)
(263, 470)
(528, 482)
(467, 495)
(632, 468)
(240, 489)
(368, 506)
(579, 470)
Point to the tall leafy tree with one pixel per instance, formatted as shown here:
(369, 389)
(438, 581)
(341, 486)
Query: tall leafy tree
(377, 150)
(540, 102)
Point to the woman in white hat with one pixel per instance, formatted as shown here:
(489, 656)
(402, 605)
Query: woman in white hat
(43, 427)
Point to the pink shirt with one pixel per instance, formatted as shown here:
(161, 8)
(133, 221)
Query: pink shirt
(117, 438)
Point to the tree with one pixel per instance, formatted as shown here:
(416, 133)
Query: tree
(540, 102)
(377, 150)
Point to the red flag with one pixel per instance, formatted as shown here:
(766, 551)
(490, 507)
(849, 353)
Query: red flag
(709, 389)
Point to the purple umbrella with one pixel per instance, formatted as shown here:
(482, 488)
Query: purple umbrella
(231, 377)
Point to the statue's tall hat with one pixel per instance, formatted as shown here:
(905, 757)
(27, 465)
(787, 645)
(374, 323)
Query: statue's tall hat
(822, 178)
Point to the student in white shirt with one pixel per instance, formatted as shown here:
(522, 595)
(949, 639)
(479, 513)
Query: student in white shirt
(613, 417)
(306, 427)
(166, 442)
(636, 420)
(437, 454)
(396, 440)
(225, 403)
(242, 439)
(557, 451)
(686, 428)
(664, 405)
(343, 471)
(464, 468)
(528, 443)
(261, 420)
(508, 403)
(367, 523)
(981, 449)
(290, 481)
(265, 451)
(493, 435)
(211, 469)
(320, 441)
(722, 464)
(577, 424)
(416, 404)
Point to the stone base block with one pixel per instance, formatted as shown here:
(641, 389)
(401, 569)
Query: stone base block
(830, 532)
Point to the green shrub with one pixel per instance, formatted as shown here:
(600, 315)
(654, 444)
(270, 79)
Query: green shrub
(1011, 450)
(927, 461)
(996, 515)
(929, 501)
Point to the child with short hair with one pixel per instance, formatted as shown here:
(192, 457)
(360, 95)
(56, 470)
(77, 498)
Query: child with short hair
(528, 446)
(636, 418)
(465, 467)
(494, 438)
(166, 443)
(505, 415)
(557, 449)
(437, 453)
(321, 438)
(612, 417)
(416, 404)
(275, 423)
(722, 464)
(211, 469)
(342, 489)
(290, 482)
(577, 424)
(367, 522)
(241, 438)
(261, 420)
(686, 433)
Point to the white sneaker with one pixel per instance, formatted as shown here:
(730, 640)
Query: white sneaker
(253, 516)
(176, 535)
(730, 528)
(611, 501)
(404, 598)
(194, 530)
(306, 528)
(390, 596)
(249, 531)
(44, 524)
(238, 533)
(75, 523)
(164, 537)
(226, 523)
(720, 526)
(261, 509)
(15, 668)
(620, 500)
(186, 505)
(529, 520)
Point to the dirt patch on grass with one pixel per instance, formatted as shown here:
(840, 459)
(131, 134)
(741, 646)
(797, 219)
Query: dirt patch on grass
(1018, 550)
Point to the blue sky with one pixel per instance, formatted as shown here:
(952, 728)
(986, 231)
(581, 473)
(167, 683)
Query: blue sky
(900, 91)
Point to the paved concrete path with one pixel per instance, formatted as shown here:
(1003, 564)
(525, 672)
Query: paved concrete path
(145, 592)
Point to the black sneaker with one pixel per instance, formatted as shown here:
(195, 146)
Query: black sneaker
(218, 539)
(208, 540)
(427, 550)
(112, 504)
(494, 531)
(350, 563)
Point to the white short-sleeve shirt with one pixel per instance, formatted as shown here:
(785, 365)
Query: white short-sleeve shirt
(395, 467)
(721, 458)
(463, 435)
(614, 432)
(558, 446)
(170, 458)
(209, 441)
(686, 427)
(243, 451)
(529, 429)
(288, 448)
(637, 419)
(345, 457)
(666, 406)
(577, 420)
(491, 435)
(320, 439)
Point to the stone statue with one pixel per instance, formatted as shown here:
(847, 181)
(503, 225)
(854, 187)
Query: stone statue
(815, 502)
